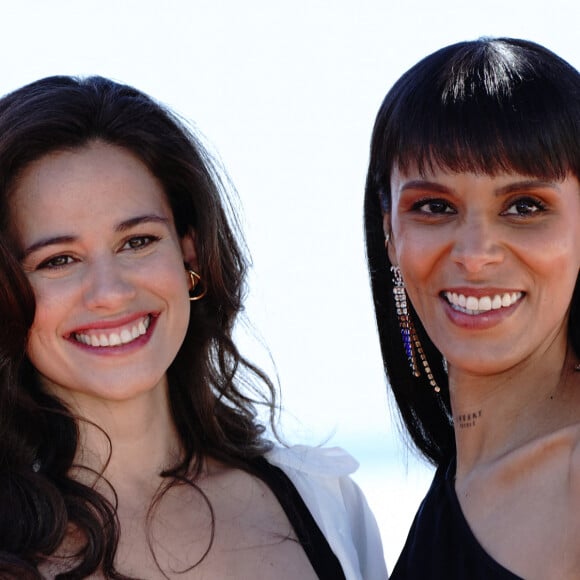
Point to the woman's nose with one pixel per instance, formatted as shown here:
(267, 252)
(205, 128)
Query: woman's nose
(476, 245)
(107, 286)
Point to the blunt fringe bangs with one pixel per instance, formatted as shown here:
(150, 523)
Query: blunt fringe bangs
(487, 106)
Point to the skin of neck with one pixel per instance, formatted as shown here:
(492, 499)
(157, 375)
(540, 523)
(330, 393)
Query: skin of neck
(498, 413)
(129, 442)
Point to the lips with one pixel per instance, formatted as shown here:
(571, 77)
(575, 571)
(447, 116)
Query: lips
(474, 305)
(121, 335)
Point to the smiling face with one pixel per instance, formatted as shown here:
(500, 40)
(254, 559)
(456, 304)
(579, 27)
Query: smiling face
(101, 251)
(489, 263)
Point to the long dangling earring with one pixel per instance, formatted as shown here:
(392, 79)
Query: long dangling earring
(406, 324)
(195, 279)
(411, 341)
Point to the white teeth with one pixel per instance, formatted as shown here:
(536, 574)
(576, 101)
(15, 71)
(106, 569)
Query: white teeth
(471, 303)
(484, 303)
(125, 336)
(474, 305)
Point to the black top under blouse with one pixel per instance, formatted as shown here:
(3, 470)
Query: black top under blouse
(321, 557)
(441, 545)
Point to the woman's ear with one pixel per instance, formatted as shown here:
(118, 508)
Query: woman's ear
(188, 250)
(389, 240)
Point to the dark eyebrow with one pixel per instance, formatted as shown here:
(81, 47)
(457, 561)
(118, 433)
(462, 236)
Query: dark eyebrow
(130, 223)
(67, 239)
(504, 190)
(46, 242)
(525, 186)
(427, 185)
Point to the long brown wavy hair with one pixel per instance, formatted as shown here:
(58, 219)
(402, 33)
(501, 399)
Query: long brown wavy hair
(213, 389)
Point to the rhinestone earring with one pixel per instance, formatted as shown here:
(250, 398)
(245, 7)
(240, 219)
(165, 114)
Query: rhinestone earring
(411, 341)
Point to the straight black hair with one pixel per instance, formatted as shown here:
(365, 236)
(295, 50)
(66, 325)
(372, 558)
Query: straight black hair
(485, 106)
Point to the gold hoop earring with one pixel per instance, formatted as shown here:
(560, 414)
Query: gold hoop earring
(195, 279)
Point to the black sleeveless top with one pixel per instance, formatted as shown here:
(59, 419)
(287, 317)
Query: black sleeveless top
(441, 545)
(322, 558)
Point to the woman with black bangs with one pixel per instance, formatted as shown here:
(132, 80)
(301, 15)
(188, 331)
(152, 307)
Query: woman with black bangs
(129, 442)
(472, 217)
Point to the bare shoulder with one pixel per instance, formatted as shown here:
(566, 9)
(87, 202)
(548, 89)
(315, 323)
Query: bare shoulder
(235, 492)
(252, 532)
(524, 509)
(227, 525)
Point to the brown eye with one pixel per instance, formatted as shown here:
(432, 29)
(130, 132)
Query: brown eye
(525, 206)
(139, 242)
(433, 206)
(55, 262)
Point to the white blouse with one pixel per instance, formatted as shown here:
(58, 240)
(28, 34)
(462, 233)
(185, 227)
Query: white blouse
(322, 477)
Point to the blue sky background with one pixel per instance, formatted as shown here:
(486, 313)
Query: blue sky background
(287, 92)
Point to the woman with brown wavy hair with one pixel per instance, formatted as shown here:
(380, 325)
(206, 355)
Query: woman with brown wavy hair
(130, 446)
